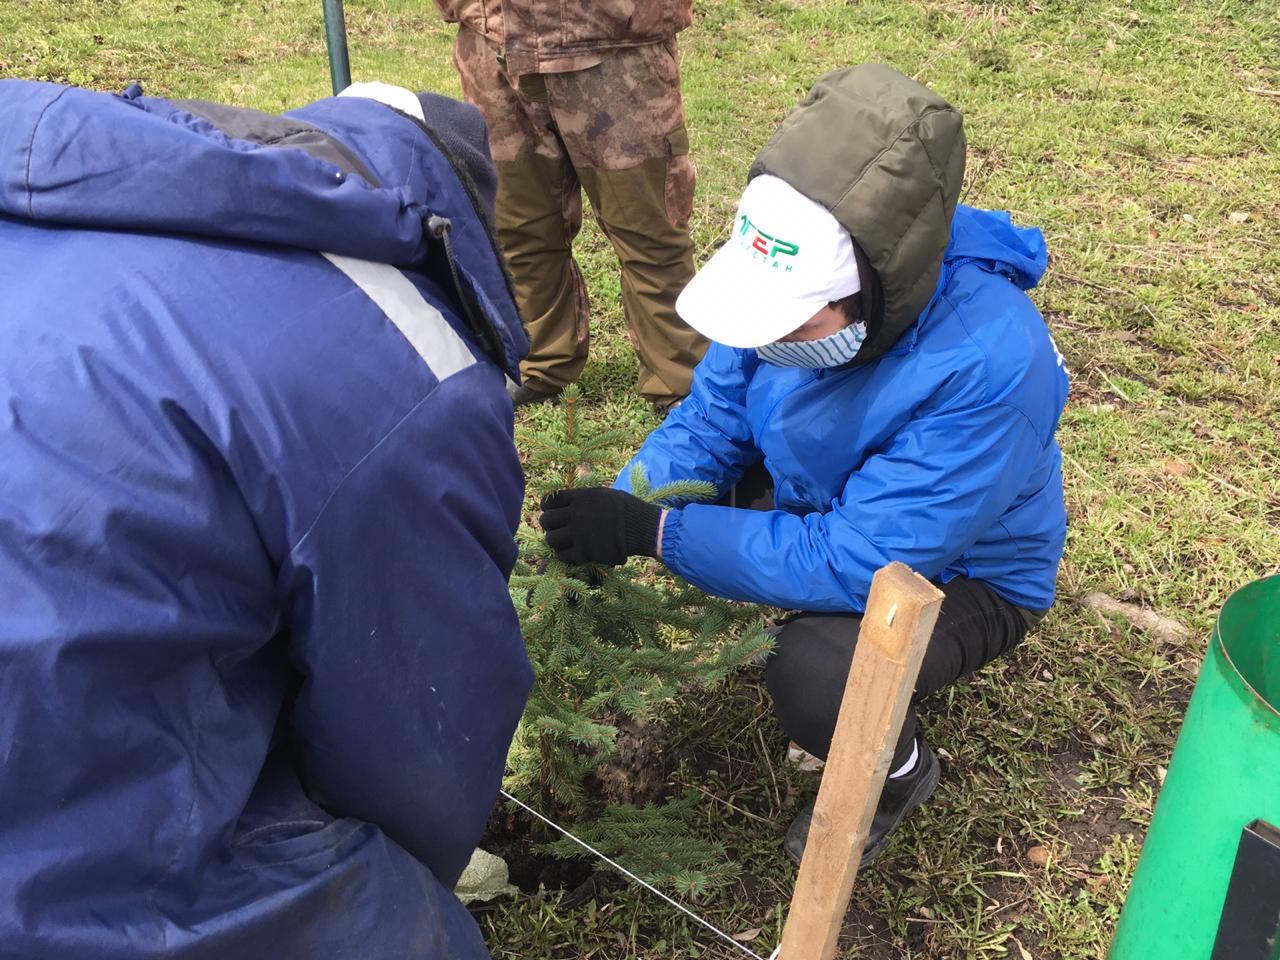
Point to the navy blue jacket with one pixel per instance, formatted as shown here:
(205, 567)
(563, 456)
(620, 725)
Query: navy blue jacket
(940, 453)
(258, 664)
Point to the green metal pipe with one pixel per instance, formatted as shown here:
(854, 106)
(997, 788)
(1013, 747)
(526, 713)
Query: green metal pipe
(335, 34)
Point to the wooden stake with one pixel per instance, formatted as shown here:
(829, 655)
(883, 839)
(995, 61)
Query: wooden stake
(901, 611)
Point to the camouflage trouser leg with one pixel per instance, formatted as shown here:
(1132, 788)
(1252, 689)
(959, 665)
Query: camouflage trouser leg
(619, 128)
(539, 212)
(656, 260)
(537, 235)
(622, 123)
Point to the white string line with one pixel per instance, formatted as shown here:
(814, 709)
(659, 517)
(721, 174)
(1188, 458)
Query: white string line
(648, 886)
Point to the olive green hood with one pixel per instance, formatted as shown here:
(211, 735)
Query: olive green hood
(886, 156)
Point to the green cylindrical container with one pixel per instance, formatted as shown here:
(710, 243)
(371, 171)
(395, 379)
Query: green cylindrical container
(1225, 773)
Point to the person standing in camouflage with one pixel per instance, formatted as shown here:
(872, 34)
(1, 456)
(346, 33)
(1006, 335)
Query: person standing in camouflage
(585, 94)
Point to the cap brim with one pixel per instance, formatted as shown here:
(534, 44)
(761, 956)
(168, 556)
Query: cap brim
(741, 308)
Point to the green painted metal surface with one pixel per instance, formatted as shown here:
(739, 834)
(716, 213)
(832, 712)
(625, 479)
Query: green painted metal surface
(335, 35)
(1224, 774)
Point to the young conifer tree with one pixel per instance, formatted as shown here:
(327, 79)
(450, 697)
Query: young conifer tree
(613, 643)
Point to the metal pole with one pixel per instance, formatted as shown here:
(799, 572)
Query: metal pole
(335, 33)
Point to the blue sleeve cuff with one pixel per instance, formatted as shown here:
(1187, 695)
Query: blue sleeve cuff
(672, 531)
(756, 557)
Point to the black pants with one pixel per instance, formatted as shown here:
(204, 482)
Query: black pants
(810, 664)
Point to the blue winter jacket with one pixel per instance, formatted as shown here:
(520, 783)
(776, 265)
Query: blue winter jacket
(940, 453)
(258, 662)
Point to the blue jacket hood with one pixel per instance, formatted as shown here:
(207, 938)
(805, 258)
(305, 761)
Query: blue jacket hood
(129, 162)
(989, 238)
(991, 241)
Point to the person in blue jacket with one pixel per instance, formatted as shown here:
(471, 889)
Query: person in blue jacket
(258, 491)
(876, 359)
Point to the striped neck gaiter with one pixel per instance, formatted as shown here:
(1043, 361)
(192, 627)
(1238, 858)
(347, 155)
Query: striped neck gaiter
(833, 351)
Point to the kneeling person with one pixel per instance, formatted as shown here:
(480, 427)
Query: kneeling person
(881, 382)
(257, 505)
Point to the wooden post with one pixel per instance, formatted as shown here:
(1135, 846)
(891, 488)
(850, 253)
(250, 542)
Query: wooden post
(901, 611)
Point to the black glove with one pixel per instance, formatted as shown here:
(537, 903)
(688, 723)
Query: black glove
(599, 525)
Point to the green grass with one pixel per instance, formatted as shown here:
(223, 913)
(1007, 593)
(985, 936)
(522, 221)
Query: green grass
(1132, 134)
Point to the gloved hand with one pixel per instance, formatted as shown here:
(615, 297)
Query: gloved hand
(599, 525)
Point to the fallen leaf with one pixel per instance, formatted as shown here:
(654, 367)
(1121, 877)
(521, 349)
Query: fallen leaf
(746, 936)
(1239, 216)
(1177, 468)
(1023, 952)
(1161, 773)
(1038, 855)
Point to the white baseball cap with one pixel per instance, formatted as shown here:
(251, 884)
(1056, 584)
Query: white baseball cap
(788, 258)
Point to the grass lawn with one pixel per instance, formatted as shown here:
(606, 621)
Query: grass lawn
(1143, 137)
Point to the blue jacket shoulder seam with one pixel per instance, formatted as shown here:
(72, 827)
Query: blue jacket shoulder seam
(31, 149)
(409, 414)
(986, 364)
(986, 357)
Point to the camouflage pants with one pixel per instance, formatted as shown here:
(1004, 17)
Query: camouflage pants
(617, 131)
